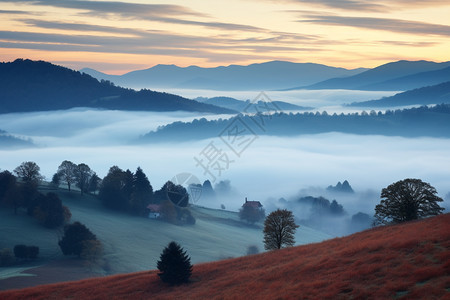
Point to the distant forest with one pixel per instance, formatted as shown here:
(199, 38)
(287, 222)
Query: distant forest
(422, 121)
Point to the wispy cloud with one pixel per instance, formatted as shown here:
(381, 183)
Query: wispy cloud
(357, 5)
(372, 6)
(391, 25)
(173, 14)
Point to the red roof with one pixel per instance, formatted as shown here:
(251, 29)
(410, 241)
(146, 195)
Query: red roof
(154, 207)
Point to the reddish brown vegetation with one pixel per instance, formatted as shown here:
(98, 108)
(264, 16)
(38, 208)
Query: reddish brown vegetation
(410, 260)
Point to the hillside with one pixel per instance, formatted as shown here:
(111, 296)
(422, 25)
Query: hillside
(130, 243)
(412, 81)
(27, 85)
(263, 76)
(435, 94)
(384, 77)
(410, 260)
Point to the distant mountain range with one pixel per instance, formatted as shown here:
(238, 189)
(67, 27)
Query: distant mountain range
(263, 76)
(247, 106)
(27, 85)
(280, 75)
(435, 94)
(395, 76)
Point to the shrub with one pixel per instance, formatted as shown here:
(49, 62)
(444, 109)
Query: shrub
(252, 249)
(20, 251)
(26, 252)
(174, 264)
(74, 236)
(6, 257)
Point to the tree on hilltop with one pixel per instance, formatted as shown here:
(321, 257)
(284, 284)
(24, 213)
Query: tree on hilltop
(407, 200)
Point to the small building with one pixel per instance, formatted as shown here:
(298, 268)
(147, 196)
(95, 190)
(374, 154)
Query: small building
(154, 211)
(252, 204)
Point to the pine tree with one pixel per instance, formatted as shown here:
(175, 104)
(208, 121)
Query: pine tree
(174, 264)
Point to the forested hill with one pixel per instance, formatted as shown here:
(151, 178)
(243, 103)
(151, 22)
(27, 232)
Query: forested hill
(27, 85)
(414, 122)
(439, 93)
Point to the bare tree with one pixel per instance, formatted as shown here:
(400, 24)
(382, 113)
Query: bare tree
(406, 200)
(279, 230)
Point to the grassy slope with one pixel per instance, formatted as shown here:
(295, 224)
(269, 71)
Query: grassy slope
(133, 243)
(411, 260)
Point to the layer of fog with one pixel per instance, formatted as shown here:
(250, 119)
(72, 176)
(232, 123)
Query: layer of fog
(330, 100)
(270, 168)
(86, 126)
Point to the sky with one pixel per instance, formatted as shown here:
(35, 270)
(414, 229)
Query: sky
(116, 37)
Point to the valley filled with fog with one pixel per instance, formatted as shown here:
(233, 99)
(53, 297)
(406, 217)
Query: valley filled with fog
(268, 169)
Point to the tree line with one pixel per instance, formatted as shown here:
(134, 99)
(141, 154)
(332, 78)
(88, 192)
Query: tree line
(413, 122)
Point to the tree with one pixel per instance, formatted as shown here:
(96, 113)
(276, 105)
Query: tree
(9, 192)
(82, 176)
(251, 213)
(74, 237)
(407, 200)
(177, 194)
(56, 180)
(111, 191)
(48, 209)
(94, 183)
(66, 172)
(174, 265)
(279, 230)
(29, 172)
(142, 193)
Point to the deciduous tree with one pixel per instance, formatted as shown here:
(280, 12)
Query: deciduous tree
(279, 229)
(407, 200)
(29, 172)
(75, 236)
(82, 176)
(66, 172)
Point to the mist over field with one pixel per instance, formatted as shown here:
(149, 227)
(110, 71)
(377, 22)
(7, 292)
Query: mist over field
(270, 168)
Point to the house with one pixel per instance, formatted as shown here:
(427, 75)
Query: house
(154, 211)
(252, 204)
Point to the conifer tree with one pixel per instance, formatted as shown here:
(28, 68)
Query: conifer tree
(174, 265)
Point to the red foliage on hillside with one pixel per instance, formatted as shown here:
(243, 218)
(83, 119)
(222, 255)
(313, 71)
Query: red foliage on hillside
(410, 260)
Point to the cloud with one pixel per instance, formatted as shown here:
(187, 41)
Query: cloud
(372, 6)
(386, 24)
(345, 4)
(126, 9)
(150, 12)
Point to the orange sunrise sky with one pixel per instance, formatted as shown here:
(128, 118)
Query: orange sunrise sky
(120, 36)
